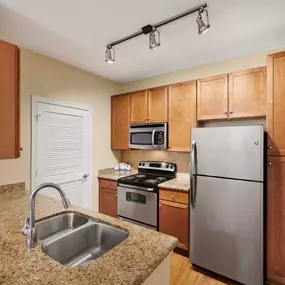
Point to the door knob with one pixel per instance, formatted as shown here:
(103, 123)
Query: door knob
(85, 176)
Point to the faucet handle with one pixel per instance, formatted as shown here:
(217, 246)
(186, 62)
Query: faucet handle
(26, 226)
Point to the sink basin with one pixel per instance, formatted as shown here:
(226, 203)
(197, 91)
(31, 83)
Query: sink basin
(59, 225)
(84, 244)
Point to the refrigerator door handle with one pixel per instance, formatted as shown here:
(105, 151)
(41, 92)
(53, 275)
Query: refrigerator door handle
(193, 159)
(193, 186)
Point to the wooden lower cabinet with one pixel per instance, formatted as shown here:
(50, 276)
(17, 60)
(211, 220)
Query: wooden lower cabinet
(174, 219)
(275, 237)
(108, 198)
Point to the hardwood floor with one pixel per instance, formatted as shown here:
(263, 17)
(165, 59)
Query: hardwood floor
(182, 273)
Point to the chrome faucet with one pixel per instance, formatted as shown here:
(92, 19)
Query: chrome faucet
(29, 228)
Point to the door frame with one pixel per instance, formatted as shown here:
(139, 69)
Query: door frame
(34, 110)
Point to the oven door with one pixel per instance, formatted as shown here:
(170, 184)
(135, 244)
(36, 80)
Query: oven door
(150, 136)
(137, 205)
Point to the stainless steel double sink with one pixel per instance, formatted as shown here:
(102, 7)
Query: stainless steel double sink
(75, 240)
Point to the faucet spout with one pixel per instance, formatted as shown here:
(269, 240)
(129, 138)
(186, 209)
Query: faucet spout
(29, 228)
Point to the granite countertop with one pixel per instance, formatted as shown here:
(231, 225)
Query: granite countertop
(131, 262)
(180, 183)
(111, 174)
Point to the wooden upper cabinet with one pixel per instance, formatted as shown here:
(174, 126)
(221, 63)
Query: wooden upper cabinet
(149, 106)
(182, 115)
(139, 107)
(120, 120)
(9, 101)
(212, 98)
(157, 105)
(247, 93)
(275, 220)
(275, 119)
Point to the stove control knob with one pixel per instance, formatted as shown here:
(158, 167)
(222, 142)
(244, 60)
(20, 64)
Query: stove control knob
(167, 166)
(143, 164)
(140, 164)
(172, 166)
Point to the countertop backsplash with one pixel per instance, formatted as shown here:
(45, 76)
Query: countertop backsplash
(182, 159)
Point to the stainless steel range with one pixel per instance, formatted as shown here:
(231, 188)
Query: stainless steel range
(138, 194)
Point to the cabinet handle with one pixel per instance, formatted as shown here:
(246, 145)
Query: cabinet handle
(107, 185)
(159, 205)
(225, 112)
(231, 112)
(269, 163)
(270, 147)
(116, 195)
(172, 197)
(145, 119)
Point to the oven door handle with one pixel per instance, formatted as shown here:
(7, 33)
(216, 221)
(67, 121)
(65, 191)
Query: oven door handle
(135, 202)
(152, 137)
(133, 187)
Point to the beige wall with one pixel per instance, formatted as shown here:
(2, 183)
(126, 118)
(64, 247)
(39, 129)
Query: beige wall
(228, 66)
(48, 78)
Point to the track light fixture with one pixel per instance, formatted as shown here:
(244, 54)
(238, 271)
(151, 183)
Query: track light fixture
(109, 54)
(154, 35)
(154, 39)
(202, 28)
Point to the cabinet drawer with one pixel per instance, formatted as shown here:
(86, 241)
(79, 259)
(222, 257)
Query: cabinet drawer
(109, 184)
(174, 196)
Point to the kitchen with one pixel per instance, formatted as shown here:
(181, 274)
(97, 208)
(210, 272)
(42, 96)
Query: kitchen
(244, 88)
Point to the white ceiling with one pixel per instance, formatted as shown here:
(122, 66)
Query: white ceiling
(76, 32)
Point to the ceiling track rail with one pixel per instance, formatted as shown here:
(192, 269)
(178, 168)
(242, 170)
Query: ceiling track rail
(155, 26)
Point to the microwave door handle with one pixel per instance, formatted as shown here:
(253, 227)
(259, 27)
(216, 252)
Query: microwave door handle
(152, 137)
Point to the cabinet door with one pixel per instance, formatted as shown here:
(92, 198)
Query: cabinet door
(212, 98)
(276, 220)
(9, 101)
(182, 115)
(139, 107)
(275, 119)
(108, 202)
(247, 93)
(120, 113)
(158, 105)
(173, 221)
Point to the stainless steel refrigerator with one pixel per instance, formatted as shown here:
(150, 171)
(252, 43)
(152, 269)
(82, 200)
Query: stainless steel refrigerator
(226, 201)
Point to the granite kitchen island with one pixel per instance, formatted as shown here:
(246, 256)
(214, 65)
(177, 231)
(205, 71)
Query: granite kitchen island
(143, 258)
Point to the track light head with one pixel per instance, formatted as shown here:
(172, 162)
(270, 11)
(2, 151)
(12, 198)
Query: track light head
(154, 39)
(109, 55)
(202, 27)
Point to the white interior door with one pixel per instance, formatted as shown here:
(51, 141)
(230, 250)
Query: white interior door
(63, 152)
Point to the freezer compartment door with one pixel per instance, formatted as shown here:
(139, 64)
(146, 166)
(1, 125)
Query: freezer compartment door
(226, 229)
(233, 152)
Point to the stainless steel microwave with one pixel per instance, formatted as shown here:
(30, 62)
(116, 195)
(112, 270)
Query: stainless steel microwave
(149, 136)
